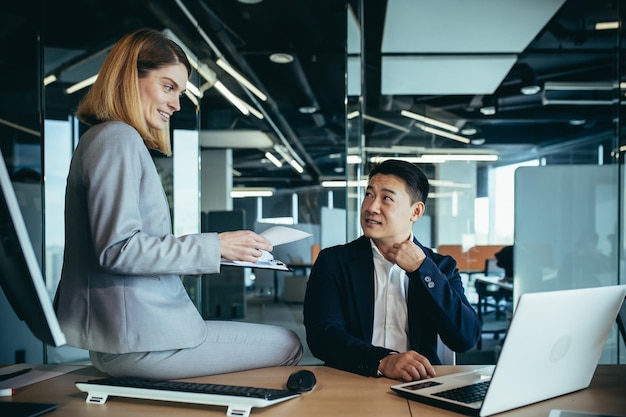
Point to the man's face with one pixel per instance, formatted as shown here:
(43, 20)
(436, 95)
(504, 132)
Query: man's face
(387, 214)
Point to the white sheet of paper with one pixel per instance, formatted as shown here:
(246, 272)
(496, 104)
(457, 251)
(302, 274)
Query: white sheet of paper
(38, 373)
(279, 235)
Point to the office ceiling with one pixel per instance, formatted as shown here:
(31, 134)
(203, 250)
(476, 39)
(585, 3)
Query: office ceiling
(444, 59)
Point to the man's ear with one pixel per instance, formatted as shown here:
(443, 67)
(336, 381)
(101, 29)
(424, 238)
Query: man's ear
(418, 210)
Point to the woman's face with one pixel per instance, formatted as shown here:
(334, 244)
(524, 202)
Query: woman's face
(160, 92)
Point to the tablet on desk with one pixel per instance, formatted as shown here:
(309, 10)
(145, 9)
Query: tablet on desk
(15, 409)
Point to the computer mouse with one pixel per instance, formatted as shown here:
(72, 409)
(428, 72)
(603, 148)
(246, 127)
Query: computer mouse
(301, 381)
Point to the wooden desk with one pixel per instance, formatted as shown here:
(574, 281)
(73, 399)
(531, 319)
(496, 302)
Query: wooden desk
(337, 393)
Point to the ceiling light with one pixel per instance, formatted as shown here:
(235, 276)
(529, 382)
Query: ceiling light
(429, 121)
(529, 90)
(82, 84)
(307, 109)
(353, 159)
(489, 106)
(192, 98)
(237, 76)
(282, 151)
(352, 114)
(343, 184)
(296, 166)
(252, 110)
(231, 97)
(488, 110)
(281, 58)
(469, 131)
(273, 159)
(607, 25)
(438, 158)
(251, 192)
(191, 88)
(443, 133)
(386, 123)
(49, 79)
(529, 84)
(577, 122)
(478, 141)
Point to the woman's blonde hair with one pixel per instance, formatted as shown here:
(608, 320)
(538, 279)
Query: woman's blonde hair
(115, 94)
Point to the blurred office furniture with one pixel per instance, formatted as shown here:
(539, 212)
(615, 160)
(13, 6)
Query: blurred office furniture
(223, 294)
(479, 263)
(487, 287)
(295, 285)
(493, 297)
(473, 259)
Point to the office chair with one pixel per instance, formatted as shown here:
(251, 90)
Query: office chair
(491, 296)
(492, 299)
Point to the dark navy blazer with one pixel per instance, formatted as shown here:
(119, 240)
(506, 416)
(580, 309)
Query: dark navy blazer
(339, 308)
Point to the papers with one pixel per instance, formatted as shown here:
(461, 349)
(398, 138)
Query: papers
(36, 374)
(277, 235)
(273, 264)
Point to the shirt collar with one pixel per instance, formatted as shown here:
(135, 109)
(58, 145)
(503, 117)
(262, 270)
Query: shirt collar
(377, 253)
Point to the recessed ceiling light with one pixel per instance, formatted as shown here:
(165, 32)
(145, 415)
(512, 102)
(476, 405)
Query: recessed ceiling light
(577, 122)
(529, 90)
(488, 110)
(281, 58)
(307, 109)
(250, 1)
(478, 141)
(469, 131)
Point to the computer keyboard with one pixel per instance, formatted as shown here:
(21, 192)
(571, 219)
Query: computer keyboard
(238, 399)
(467, 394)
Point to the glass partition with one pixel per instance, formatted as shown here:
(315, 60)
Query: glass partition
(554, 187)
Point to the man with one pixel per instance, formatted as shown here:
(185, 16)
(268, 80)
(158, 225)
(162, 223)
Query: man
(375, 306)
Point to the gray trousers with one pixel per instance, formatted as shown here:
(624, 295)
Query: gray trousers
(228, 347)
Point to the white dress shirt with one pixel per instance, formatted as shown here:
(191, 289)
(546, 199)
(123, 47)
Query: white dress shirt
(390, 310)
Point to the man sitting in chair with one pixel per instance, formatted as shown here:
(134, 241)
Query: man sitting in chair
(375, 306)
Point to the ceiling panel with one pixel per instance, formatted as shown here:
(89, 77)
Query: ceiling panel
(460, 26)
(459, 75)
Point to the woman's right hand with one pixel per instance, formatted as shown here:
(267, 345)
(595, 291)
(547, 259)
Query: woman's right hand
(243, 245)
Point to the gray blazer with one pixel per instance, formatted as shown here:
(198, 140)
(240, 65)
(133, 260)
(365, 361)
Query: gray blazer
(120, 289)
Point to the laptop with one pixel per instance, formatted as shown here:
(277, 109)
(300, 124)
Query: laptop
(552, 347)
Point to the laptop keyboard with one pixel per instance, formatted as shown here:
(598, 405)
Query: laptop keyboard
(467, 394)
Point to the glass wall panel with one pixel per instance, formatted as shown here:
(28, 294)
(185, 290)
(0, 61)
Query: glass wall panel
(435, 86)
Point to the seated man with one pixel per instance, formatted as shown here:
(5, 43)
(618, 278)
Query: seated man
(375, 306)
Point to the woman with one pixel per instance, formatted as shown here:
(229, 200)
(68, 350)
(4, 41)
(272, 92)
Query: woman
(120, 294)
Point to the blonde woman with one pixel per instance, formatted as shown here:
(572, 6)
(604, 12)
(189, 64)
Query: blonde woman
(120, 294)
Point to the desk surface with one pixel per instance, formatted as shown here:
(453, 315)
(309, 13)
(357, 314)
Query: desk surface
(337, 393)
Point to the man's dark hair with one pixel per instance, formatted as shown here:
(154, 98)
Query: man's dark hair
(415, 179)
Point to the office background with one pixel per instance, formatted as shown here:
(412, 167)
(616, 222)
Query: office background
(346, 82)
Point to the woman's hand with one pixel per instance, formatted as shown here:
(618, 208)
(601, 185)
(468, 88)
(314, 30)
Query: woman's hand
(243, 245)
